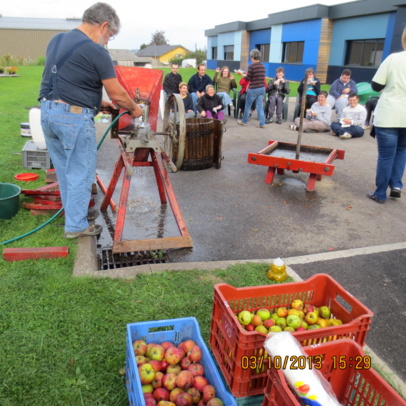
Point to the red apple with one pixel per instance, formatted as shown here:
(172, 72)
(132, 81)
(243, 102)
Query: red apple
(187, 345)
(185, 363)
(140, 359)
(161, 394)
(215, 402)
(140, 347)
(209, 392)
(195, 353)
(200, 382)
(146, 373)
(311, 318)
(184, 399)
(157, 365)
(196, 369)
(169, 381)
(150, 402)
(184, 380)
(269, 323)
(157, 381)
(250, 327)
(164, 365)
(167, 344)
(196, 396)
(149, 348)
(174, 394)
(173, 355)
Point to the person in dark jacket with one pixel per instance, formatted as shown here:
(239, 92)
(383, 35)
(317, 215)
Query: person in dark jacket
(312, 88)
(197, 84)
(210, 104)
(277, 89)
(172, 80)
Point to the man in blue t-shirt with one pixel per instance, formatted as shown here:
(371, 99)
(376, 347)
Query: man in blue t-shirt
(76, 69)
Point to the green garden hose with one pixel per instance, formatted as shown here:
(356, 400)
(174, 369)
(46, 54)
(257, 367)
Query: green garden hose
(60, 210)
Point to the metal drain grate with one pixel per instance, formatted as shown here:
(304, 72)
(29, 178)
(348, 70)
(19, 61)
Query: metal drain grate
(108, 260)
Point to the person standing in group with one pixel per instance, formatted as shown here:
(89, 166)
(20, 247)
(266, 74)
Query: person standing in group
(278, 89)
(197, 84)
(390, 125)
(339, 91)
(256, 90)
(225, 82)
(172, 80)
(76, 69)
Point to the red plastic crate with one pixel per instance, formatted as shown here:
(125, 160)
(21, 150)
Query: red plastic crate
(353, 387)
(232, 345)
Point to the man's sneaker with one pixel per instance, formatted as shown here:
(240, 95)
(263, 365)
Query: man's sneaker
(92, 213)
(241, 123)
(231, 105)
(395, 192)
(279, 121)
(91, 231)
(269, 120)
(294, 127)
(345, 136)
(260, 126)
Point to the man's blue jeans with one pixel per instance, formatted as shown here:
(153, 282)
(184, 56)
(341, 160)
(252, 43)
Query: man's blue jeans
(71, 143)
(391, 159)
(257, 96)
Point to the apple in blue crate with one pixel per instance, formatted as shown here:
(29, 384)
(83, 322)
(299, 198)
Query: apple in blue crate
(187, 345)
(196, 369)
(215, 402)
(185, 362)
(196, 395)
(175, 393)
(169, 381)
(157, 365)
(200, 382)
(157, 353)
(140, 347)
(173, 355)
(146, 373)
(158, 379)
(245, 317)
(209, 392)
(184, 399)
(195, 353)
(140, 359)
(161, 394)
(147, 388)
(176, 368)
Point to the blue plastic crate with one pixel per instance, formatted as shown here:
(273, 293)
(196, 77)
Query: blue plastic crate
(174, 330)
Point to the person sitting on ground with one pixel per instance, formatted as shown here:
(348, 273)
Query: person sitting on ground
(339, 91)
(353, 118)
(172, 80)
(210, 104)
(187, 102)
(318, 118)
(277, 89)
(312, 88)
(370, 107)
(197, 84)
(225, 82)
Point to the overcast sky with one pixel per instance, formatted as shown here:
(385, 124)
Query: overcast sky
(183, 22)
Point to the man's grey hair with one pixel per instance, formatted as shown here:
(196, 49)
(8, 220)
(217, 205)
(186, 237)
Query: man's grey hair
(255, 55)
(100, 13)
(208, 87)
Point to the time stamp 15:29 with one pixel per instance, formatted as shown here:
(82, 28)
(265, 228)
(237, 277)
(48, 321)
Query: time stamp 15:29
(303, 361)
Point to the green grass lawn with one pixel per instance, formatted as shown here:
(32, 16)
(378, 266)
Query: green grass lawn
(62, 339)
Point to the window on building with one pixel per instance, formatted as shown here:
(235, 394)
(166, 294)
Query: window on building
(213, 52)
(229, 52)
(293, 52)
(365, 52)
(264, 49)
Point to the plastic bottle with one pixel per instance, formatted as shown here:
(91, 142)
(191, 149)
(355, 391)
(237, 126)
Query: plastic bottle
(277, 271)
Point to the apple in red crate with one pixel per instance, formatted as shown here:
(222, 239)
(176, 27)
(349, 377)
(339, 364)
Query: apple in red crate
(173, 355)
(140, 347)
(311, 318)
(265, 314)
(269, 323)
(196, 369)
(184, 399)
(157, 352)
(174, 394)
(250, 327)
(196, 395)
(215, 402)
(209, 392)
(146, 373)
(157, 381)
(200, 382)
(184, 380)
(161, 394)
(195, 353)
(245, 317)
(169, 381)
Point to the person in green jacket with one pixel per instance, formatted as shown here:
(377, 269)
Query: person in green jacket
(225, 82)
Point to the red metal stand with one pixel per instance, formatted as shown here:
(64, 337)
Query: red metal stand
(140, 158)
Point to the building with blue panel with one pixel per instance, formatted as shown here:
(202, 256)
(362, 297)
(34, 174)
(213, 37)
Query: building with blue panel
(357, 35)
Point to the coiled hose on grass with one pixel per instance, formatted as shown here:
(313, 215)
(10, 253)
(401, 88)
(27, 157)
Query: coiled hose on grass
(60, 210)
